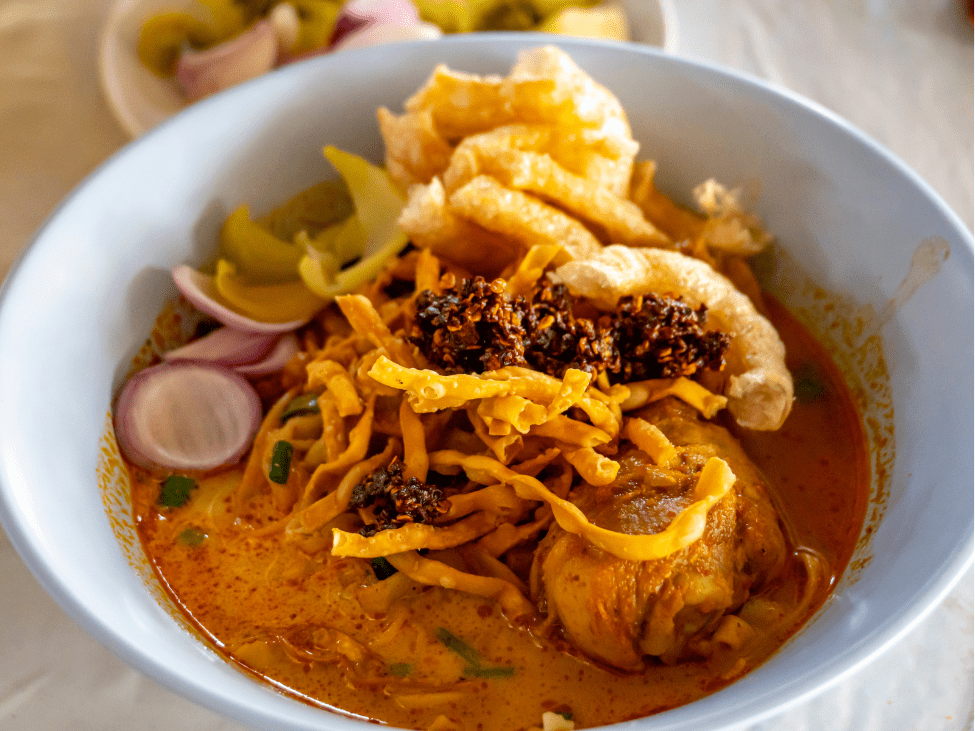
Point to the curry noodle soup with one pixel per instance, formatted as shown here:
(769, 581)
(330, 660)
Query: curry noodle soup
(496, 436)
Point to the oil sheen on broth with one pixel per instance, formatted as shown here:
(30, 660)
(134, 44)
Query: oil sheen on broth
(534, 420)
(283, 614)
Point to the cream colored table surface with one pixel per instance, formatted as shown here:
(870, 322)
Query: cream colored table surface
(901, 70)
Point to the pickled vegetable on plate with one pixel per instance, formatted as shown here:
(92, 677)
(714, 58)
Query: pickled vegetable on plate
(214, 44)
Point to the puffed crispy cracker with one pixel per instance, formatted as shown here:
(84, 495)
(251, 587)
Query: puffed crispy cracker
(431, 224)
(546, 85)
(415, 151)
(521, 217)
(617, 220)
(605, 161)
(757, 382)
(462, 104)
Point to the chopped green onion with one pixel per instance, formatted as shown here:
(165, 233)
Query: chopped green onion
(382, 568)
(808, 384)
(400, 669)
(176, 491)
(474, 667)
(280, 462)
(192, 537)
(306, 403)
(456, 645)
(490, 672)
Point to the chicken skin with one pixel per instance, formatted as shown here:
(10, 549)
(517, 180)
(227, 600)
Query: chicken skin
(623, 613)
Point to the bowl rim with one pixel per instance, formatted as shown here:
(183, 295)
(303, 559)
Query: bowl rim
(30, 550)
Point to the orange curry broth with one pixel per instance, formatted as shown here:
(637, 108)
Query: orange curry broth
(279, 613)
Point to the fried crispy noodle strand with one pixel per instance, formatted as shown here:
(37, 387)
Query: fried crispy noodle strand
(573, 392)
(334, 439)
(651, 440)
(358, 447)
(434, 573)
(714, 482)
(570, 431)
(331, 375)
(430, 391)
(412, 537)
(366, 321)
(536, 464)
(414, 443)
(507, 535)
(532, 266)
(601, 414)
(513, 412)
(545, 86)
(499, 499)
(593, 467)
(759, 385)
(427, 272)
(505, 445)
(484, 564)
(688, 391)
(316, 515)
(521, 217)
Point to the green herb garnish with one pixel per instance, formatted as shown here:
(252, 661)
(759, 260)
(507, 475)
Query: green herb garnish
(280, 462)
(473, 658)
(306, 403)
(808, 384)
(382, 568)
(499, 671)
(456, 645)
(176, 491)
(192, 537)
(400, 669)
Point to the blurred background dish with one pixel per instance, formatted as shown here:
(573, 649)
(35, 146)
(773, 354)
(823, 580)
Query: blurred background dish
(141, 98)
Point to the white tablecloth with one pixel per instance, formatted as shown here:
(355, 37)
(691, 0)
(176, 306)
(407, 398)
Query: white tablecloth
(901, 70)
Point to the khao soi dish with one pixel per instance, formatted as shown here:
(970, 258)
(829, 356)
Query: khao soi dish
(496, 435)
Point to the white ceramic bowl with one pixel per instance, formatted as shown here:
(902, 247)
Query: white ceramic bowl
(849, 217)
(140, 100)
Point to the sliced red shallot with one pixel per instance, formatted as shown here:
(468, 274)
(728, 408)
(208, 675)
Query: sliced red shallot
(187, 415)
(357, 14)
(247, 56)
(287, 26)
(364, 23)
(199, 289)
(284, 350)
(375, 34)
(226, 346)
